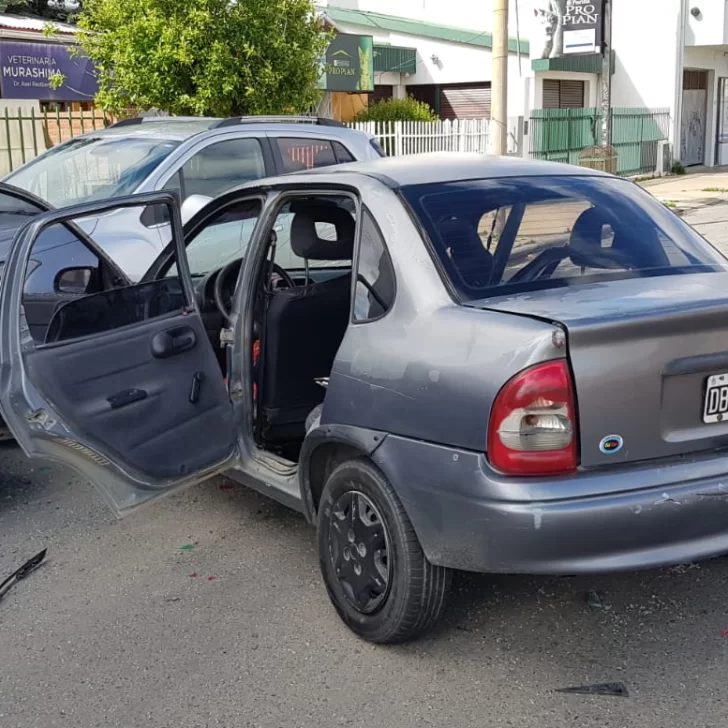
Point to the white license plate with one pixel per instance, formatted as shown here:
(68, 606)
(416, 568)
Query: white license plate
(715, 407)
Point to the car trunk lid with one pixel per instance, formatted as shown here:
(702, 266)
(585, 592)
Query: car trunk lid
(643, 353)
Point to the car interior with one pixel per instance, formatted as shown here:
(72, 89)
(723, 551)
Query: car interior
(301, 315)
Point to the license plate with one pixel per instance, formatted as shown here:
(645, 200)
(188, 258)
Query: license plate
(715, 408)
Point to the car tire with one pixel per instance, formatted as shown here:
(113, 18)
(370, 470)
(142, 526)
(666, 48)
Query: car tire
(384, 588)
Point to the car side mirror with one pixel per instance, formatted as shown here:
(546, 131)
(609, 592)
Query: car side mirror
(74, 281)
(192, 205)
(155, 215)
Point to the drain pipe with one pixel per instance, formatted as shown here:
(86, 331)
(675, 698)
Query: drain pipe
(679, 67)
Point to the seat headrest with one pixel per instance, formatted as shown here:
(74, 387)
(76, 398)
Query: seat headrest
(315, 244)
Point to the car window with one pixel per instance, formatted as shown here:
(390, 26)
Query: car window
(286, 257)
(73, 291)
(307, 153)
(223, 239)
(375, 283)
(219, 167)
(92, 168)
(501, 235)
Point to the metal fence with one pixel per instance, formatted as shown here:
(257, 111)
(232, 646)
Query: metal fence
(413, 137)
(26, 133)
(562, 134)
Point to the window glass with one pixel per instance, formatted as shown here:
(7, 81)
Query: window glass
(73, 291)
(502, 235)
(220, 167)
(343, 155)
(375, 284)
(92, 168)
(223, 239)
(285, 255)
(302, 153)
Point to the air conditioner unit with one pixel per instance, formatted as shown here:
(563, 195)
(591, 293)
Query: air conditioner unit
(664, 158)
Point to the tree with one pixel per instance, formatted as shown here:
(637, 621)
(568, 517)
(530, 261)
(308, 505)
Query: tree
(205, 57)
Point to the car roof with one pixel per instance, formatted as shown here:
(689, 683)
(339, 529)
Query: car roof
(442, 167)
(183, 127)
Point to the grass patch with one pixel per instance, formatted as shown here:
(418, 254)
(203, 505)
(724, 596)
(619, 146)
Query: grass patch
(715, 189)
(670, 203)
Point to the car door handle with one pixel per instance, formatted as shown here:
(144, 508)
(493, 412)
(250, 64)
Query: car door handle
(171, 342)
(128, 397)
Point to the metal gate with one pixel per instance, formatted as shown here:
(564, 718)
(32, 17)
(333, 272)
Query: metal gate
(694, 113)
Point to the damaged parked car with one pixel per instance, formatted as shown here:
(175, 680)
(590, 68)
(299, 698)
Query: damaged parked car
(445, 362)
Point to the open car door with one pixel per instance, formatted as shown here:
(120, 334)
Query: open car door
(123, 386)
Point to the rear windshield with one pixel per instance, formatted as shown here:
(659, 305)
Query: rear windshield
(518, 234)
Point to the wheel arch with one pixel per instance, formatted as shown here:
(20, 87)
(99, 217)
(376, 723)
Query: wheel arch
(325, 448)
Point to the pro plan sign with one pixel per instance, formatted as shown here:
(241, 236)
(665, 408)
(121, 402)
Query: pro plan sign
(26, 70)
(349, 64)
(564, 27)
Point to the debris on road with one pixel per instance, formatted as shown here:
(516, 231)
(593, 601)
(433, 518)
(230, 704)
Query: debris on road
(617, 689)
(193, 575)
(187, 547)
(28, 567)
(596, 600)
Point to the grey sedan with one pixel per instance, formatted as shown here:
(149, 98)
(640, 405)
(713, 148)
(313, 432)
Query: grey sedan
(443, 361)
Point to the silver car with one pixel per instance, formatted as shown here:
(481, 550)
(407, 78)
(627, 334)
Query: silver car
(452, 362)
(198, 158)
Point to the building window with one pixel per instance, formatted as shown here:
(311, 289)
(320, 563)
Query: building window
(563, 94)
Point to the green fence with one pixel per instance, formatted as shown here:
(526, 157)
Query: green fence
(26, 133)
(560, 135)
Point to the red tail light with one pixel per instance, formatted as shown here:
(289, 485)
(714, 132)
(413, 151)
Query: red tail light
(532, 428)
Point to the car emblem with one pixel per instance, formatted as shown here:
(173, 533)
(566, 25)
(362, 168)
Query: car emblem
(611, 444)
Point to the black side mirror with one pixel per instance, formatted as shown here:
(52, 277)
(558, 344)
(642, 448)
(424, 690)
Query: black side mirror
(74, 281)
(154, 216)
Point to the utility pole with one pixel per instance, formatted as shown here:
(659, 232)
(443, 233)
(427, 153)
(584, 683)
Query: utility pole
(607, 74)
(499, 82)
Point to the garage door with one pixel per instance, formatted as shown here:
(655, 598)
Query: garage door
(465, 101)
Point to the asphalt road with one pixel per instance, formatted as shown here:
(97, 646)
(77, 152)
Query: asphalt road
(124, 627)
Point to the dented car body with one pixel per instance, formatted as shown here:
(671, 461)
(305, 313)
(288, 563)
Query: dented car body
(526, 370)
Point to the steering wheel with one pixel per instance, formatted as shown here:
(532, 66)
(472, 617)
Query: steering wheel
(234, 267)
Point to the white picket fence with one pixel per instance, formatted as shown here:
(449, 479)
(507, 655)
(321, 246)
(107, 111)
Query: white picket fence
(413, 137)
(458, 135)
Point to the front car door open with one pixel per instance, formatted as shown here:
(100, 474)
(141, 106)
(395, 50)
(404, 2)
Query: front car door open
(124, 385)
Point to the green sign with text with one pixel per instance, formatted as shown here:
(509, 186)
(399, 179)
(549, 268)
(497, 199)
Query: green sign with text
(349, 64)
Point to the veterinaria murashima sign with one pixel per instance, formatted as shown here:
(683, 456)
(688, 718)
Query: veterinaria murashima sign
(26, 70)
(566, 27)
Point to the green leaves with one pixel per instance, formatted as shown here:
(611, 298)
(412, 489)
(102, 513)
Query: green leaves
(205, 57)
(408, 109)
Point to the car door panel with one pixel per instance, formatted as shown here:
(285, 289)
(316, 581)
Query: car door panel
(161, 433)
(131, 395)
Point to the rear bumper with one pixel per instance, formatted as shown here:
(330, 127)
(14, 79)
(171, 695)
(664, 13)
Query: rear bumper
(469, 518)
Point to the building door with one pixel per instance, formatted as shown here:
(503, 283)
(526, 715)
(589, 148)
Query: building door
(694, 115)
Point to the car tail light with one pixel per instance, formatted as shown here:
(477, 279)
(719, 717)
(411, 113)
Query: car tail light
(532, 428)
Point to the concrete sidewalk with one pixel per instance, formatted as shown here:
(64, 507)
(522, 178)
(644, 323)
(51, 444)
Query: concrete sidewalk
(702, 187)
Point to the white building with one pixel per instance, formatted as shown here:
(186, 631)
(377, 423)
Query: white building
(436, 50)
(670, 61)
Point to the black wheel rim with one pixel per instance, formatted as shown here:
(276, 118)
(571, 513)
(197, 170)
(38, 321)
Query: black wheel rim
(359, 551)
